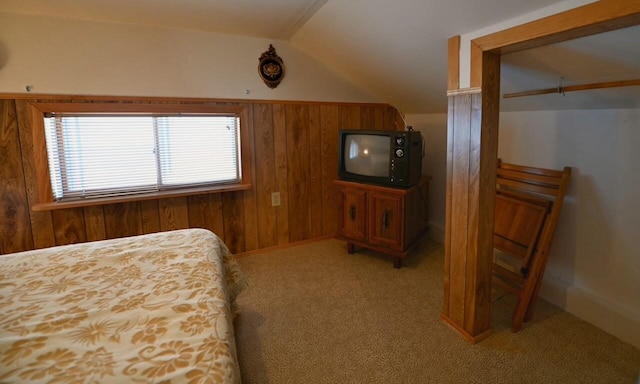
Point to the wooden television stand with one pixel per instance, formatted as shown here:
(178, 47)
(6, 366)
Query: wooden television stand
(384, 219)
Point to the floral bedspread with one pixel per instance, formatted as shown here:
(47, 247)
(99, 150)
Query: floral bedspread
(151, 308)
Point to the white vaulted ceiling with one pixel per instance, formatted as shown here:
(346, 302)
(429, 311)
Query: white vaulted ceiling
(276, 19)
(397, 50)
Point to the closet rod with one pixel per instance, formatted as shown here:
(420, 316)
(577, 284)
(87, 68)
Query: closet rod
(571, 88)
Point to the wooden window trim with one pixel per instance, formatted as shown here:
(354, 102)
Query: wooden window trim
(139, 197)
(45, 194)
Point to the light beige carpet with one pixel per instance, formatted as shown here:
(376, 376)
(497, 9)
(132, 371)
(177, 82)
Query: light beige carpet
(315, 314)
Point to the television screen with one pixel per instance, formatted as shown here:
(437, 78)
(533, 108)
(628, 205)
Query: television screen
(366, 155)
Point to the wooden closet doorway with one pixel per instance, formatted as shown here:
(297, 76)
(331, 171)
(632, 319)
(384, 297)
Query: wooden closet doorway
(472, 151)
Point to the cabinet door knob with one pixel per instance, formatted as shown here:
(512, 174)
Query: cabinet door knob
(385, 220)
(352, 212)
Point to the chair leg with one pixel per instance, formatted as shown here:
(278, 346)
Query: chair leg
(529, 292)
(518, 315)
(532, 304)
(536, 290)
(534, 298)
(526, 303)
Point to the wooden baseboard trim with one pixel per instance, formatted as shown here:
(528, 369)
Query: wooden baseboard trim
(471, 339)
(284, 246)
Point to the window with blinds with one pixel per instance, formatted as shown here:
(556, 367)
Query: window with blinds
(99, 155)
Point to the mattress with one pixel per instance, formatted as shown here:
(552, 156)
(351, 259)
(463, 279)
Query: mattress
(149, 308)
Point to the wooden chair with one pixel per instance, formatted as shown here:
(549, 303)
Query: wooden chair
(528, 204)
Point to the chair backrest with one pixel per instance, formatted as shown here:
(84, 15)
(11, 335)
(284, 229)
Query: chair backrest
(533, 184)
(518, 223)
(547, 183)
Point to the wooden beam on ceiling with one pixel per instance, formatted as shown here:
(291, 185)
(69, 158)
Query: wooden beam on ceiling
(600, 16)
(590, 19)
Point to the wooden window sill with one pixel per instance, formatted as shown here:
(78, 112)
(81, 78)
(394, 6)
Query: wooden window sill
(139, 197)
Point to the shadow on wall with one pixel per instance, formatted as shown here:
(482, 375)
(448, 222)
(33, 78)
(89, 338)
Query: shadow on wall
(597, 145)
(587, 255)
(592, 222)
(564, 251)
(4, 55)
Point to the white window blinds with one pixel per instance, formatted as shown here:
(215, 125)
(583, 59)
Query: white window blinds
(94, 155)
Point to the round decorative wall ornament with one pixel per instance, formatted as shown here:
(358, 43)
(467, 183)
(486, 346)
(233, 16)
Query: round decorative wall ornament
(271, 67)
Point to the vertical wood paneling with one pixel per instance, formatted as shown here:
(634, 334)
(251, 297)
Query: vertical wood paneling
(349, 116)
(41, 222)
(315, 172)
(392, 119)
(94, 223)
(15, 225)
(174, 213)
(448, 205)
(487, 107)
(69, 226)
(122, 220)
(250, 198)
(329, 127)
(297, 129)
(378, 119)
(232, 212)
(205, 211)
(265, 174)
(460, 208)
(150, 213)
(294, 152)
(471, 194)
(473, 211)
(282, 164)
(374, 118)
(368, 117)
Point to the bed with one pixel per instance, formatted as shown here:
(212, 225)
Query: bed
(150, 308)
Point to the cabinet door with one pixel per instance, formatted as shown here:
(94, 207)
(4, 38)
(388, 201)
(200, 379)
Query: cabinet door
(387, 220)
(354, 213)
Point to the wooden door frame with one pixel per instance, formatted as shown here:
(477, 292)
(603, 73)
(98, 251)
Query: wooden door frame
(474, 111)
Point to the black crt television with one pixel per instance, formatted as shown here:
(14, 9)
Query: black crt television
(390, 158)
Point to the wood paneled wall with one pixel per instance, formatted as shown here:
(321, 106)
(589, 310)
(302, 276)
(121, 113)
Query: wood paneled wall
(294, 152)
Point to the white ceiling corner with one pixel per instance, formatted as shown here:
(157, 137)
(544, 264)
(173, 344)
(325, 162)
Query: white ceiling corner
(276, 19)
(308, 9)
